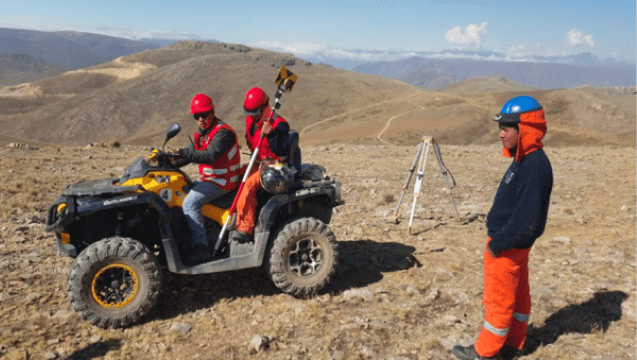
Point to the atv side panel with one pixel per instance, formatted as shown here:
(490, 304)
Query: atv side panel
(267, 218)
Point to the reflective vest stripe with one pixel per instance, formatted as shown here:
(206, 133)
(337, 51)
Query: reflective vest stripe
(233, 152)
(521, 317)
(209, 171)
(252, 139)
(221, 182)
(225, 168)
(233, 179)
(495, 330)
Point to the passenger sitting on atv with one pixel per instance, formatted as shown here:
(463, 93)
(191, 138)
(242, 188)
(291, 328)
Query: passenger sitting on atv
(216, 150)
(273, 147)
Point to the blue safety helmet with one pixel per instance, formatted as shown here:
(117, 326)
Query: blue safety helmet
(510, 113)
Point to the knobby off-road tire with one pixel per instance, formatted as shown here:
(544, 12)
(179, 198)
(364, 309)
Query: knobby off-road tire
(114, 282)
(303, 257)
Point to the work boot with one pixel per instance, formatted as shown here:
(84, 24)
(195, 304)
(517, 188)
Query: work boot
(508, 352)
(198, 254)
(240, 236)
(468, 353)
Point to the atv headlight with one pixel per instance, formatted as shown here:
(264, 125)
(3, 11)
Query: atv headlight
(61, 208)
(337, 191)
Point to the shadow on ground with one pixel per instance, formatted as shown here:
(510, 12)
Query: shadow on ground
(360, 263)
(363, 262)
(595, 314)
(93, 351)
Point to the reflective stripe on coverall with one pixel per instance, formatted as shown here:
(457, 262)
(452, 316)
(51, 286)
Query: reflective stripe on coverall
(507, 301)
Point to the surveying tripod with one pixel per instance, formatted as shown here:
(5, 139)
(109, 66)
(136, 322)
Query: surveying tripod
(421, 161)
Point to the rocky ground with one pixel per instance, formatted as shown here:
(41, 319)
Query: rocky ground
(394, 295)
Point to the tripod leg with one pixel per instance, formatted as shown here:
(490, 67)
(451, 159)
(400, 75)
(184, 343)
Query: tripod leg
(419, 178)
(443, 169)
(411, 173)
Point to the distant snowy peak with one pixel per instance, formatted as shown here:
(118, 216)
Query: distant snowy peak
(350, 58)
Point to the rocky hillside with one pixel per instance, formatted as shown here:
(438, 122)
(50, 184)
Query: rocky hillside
(133, 98)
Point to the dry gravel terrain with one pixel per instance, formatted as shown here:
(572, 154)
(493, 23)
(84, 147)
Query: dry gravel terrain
(394, 295)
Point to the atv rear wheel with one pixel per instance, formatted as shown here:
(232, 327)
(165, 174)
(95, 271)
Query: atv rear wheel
(303, 257)
(114, 282)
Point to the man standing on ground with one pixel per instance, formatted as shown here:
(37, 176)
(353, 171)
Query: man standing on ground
(516, 219)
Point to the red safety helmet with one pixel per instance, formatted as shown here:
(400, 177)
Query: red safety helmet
(254, 101)
(201, 103)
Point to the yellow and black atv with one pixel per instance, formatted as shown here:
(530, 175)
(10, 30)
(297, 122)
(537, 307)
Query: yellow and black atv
(124, 232)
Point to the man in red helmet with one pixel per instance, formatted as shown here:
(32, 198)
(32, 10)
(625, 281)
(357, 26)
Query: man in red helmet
(216, 150)
(273, 147)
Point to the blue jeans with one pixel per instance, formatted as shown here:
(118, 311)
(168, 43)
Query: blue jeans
(201, 193)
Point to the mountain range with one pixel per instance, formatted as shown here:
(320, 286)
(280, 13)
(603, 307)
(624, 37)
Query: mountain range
(437, 73)
(35, 54)
(133, 98)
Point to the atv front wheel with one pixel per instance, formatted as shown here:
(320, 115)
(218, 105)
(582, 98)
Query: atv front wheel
(114, 282)
(303, 257)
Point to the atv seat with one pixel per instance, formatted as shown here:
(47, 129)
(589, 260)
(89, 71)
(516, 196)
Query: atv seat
(225, 201)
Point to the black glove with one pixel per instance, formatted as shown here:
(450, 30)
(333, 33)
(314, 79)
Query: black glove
(180, 158)
(175, 154)
(181, 153)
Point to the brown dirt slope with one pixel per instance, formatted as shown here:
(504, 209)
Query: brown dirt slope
(132, 99)
(581, 116)
(488, 84)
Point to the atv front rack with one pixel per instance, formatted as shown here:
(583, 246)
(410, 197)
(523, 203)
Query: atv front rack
(98, 187)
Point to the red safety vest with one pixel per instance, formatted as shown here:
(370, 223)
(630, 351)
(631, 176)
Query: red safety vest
(265, 152)
(223, 172)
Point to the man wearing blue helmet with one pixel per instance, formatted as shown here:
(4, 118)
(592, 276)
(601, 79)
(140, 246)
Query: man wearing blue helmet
(516, 219)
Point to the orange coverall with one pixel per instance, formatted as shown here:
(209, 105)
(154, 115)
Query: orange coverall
(517, 218)
(247, 201)
(507, 301)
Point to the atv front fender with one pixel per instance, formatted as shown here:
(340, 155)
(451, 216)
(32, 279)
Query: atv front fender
(86, 206)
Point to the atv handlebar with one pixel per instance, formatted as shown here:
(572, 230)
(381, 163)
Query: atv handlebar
(164, 159)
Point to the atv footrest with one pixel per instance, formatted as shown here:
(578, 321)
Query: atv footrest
(240, 249)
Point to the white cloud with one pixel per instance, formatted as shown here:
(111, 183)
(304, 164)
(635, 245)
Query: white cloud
(141, 34)
(523, 50)
(303, 49)
(577, 38)
(296, 48)
(470, 37)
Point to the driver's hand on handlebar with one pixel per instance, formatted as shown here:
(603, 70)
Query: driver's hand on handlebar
(177, 157)
(176, 154)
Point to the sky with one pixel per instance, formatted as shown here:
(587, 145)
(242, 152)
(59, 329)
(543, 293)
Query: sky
(360, 30)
